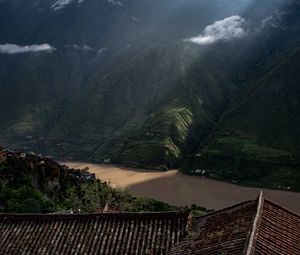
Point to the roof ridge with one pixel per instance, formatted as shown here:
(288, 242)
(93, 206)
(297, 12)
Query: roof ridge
(283, 208)
(86, 215)
(224, 209)
(92, 234)
(108, 207)
(250, 245)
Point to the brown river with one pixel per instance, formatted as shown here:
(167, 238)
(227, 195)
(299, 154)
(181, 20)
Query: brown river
(180, 190)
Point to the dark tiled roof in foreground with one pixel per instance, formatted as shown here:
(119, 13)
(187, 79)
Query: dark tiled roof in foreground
(223, 231)
(278, 231)
(258, 227)
(106, 233)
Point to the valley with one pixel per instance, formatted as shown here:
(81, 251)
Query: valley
(162, 84)
(150, 127)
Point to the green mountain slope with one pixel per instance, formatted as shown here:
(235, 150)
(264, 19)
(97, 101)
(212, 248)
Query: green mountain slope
(183, 120)
(123, 83)
(257, 140)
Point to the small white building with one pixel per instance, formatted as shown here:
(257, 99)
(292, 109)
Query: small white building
(200, 171)
(107, 161)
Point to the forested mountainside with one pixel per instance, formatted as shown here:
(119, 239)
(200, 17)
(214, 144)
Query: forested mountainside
(210, 84)
(33, 184)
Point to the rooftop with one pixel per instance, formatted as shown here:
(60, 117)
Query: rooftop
(105, 233)
(252, 227)
(108, 208)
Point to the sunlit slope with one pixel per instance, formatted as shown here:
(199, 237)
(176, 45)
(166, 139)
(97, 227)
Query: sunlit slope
(182, 121)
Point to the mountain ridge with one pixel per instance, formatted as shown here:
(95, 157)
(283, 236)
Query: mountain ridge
(126, 82)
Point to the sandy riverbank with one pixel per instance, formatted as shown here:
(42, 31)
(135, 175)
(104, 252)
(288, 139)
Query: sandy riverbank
(177, 189)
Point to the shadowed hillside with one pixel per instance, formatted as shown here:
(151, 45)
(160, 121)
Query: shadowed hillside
(155, 84)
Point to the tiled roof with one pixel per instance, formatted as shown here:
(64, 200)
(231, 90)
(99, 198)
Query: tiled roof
(223, 231)
(278, 231)
(106, 233)
(258, 227)
(108, 209)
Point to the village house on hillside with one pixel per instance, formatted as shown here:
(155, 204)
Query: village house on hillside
(253, 227)
(9, 153)
(3, 154)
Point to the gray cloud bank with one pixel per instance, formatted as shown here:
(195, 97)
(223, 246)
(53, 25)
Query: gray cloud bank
(9, 48)
(222, 30)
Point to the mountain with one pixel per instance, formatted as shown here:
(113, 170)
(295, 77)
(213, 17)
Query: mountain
(208, 84)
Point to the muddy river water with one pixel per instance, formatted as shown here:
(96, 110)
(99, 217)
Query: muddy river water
(177, 189)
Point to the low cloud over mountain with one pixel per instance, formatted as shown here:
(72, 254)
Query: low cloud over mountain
(223, 30)
(17, 49)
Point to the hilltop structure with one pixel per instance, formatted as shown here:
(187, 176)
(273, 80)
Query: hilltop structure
(253, 227)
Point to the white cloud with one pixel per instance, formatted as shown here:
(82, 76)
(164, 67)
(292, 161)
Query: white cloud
(60, 4)
(102, 50)
(85, 47)
(266, 21)
(135, 19)
(115, 2)
(222, 30)
(78, 47)
(16, 49)
(274, 20)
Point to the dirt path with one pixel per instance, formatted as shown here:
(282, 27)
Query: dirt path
(177, 189)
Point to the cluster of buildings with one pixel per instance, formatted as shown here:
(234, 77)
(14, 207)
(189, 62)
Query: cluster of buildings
(201, 172)
(84, 175)
(3, 154)
(9, 153)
